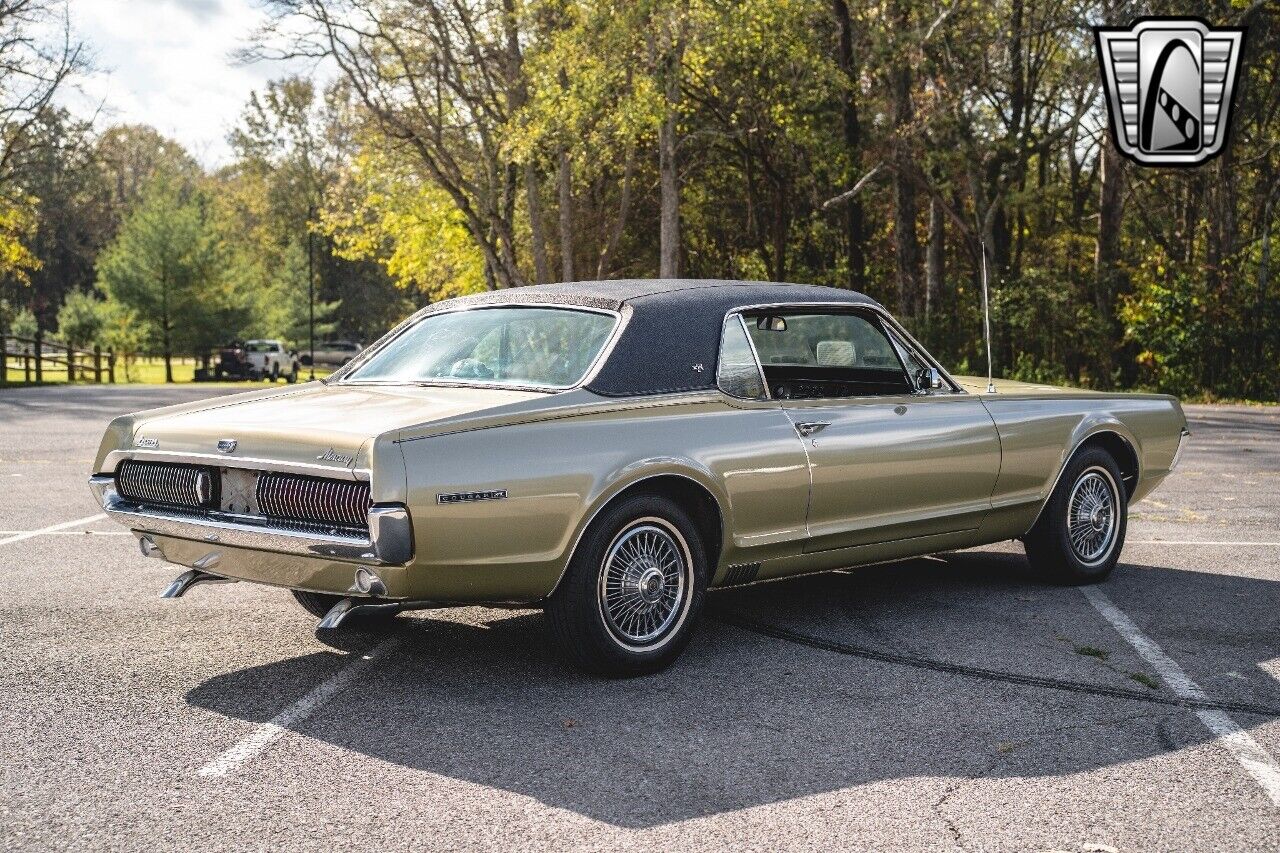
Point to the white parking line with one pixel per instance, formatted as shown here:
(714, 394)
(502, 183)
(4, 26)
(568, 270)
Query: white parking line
(1256, 761)
(272, 730)
(1195, 542)
(69, 532)
(18, 537)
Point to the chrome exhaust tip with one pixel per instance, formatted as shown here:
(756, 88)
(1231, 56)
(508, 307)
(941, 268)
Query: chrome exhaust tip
(192, 577)
(149, 548)
(367, 582)
(349, 608)
(357, 608)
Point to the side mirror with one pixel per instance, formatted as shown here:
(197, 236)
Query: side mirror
(929, 379)
(771, 323)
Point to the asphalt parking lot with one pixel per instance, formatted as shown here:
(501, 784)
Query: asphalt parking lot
(945, 703)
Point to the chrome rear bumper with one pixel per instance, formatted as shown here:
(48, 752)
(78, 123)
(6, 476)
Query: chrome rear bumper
(389, 543)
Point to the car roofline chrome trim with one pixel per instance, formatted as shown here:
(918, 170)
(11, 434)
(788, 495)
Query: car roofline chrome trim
(878, 310)
(115, 457)
(622, 318)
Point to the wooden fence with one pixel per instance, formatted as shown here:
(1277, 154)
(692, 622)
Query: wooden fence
(33, 359)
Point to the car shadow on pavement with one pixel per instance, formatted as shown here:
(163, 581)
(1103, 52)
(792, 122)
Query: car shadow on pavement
(746, 719)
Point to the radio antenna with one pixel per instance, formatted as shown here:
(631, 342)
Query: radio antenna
(986, 318)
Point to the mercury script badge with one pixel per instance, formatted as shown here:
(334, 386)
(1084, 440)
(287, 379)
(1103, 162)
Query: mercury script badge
(1169, 85)
(147, 443)
(331, 455)
(226, 445)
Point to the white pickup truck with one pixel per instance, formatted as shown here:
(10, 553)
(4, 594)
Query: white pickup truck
(268, 359)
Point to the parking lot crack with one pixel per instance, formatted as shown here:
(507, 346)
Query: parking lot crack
(1148, 696)
(940, 805)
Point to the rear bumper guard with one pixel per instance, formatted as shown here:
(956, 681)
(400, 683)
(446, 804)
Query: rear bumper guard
(389, 542)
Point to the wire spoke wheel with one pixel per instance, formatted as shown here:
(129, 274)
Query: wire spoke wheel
(645, 583)
(1092, 516)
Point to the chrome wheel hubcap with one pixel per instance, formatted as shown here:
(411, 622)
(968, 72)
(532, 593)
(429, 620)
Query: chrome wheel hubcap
(644, 583)
(1092, 516)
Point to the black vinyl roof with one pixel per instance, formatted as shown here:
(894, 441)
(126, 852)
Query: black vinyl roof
(672, 325)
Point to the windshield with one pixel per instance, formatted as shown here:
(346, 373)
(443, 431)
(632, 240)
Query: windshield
(519, 346)
(260, 346)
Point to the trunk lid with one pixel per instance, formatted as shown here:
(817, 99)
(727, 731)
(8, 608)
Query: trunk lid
(325, 425)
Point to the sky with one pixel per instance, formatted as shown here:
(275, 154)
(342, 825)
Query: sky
(169, 63)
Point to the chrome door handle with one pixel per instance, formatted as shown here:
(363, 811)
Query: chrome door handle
(811, 428)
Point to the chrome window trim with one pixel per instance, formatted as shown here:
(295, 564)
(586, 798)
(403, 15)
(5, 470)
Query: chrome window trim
(621, 320)
(754, 355)
(848, 307)
(902, 346)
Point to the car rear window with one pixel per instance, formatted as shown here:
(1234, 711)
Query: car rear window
(508, 346)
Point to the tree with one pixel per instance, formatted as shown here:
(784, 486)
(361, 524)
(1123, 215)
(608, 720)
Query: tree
(441, 80)
(293, 146)
(166, 267)
(71, 222)
(380, 213)
(37, 56)
(130, 157)
(81, 319)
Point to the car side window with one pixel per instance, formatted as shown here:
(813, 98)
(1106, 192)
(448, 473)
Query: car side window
(917, 366)
(812, 355)
(737, 373)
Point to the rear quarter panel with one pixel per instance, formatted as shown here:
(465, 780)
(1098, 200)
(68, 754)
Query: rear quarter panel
(1039, 432)
(558, 473)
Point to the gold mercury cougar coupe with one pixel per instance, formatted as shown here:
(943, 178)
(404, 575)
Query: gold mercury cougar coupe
(609, 451)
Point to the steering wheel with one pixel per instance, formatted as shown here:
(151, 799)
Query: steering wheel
(470, 368)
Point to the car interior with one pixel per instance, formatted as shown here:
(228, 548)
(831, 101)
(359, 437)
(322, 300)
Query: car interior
(822, 355)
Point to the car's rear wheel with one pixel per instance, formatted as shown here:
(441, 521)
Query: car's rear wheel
(319, 603)
(1080, 532)
(293, 374)
(632, 595)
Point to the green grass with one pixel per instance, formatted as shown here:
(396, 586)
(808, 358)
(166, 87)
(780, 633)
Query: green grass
(1090, 651)
(1145, 680)
(143, 371)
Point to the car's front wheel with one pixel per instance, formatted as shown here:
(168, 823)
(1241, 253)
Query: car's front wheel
(633, 592)
(1080, 532)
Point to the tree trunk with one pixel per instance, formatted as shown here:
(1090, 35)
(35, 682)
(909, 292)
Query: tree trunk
(669, 190)
(168, 355)
(854, 221)
(935, 258)
(905, 203)
(538, 236)
(624, 210)
(906, 245)
(1260, 300)
(564, 183)
(1106, 257)
(670, 67)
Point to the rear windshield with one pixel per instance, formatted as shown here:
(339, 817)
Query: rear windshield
(515, 346)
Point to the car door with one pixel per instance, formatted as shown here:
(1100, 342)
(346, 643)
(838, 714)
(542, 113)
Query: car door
(886, 462)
